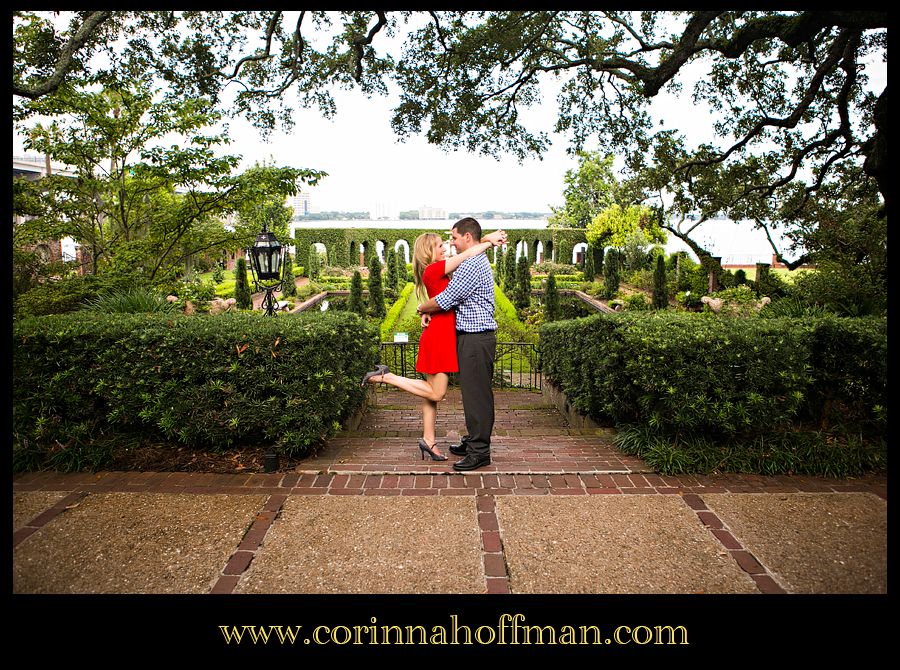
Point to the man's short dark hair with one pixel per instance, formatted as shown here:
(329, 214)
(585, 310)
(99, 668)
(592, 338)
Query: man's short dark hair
(468, 225)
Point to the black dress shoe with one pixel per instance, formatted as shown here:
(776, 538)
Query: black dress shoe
(472, 463)
(458, 449)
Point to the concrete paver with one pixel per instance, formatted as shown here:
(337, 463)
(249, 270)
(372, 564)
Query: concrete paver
(29, 504)
(134, 543)
(613, 544)
(813, 542)
(372, 544)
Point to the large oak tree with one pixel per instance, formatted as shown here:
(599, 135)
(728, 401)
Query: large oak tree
(791, 89)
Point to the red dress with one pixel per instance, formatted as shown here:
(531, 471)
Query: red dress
(437, 346)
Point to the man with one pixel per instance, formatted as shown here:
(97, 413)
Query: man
(471, 292)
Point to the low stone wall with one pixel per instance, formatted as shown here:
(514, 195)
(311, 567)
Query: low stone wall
(555, 396)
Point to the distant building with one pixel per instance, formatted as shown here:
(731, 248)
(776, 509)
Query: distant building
(426, 212)
(35, 167)
(384, 211)
(300, 203)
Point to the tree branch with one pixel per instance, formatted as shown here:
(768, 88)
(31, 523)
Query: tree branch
(267, 53)
(66, 58)
(360, 42)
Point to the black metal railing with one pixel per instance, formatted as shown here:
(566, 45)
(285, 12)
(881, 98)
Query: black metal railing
(516, 365)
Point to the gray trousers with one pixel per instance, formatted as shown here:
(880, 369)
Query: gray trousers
(476, 353)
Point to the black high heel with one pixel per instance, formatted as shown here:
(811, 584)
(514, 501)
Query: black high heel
(425, 449)
(379, 371)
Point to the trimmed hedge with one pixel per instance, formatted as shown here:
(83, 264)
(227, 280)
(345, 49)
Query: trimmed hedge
(703, 374)
(205, 382)
(343, 244)
(387, 326)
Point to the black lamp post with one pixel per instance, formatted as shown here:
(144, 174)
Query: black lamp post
(266, 257)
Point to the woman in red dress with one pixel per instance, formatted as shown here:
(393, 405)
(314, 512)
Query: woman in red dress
(437, 345)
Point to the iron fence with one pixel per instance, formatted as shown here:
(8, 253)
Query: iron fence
(516, 364)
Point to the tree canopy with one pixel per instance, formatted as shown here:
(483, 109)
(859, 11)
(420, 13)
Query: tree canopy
(790, 86)
(137, 202)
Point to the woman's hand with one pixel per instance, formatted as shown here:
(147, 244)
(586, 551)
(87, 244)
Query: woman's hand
(497, 238)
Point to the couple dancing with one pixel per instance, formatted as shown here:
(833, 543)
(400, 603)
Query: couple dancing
(459, 335)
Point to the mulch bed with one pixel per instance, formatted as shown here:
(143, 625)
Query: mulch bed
(162, 458)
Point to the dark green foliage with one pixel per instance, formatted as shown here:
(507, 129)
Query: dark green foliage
(522, 292)
(551, 300)
(849, 363)
(509, 270)
(769, 283)
(86, 381)
(313, 264)
(660, 291)
(58, 297)
(390, 286)
(499, 266)
(589, 271)
(703, 374)
(611, 275)
(289, 288)
(598, 259)
(130, 301)
(376, 289)
(740, 277)
(241, 286)
(356, 303)
(799, 452)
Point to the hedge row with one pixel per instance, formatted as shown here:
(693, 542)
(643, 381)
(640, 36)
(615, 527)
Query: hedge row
(205, 382)
(707, 375)
(390, 319)
(342, 244)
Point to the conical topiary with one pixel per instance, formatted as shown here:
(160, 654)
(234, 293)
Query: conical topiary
(242, 295)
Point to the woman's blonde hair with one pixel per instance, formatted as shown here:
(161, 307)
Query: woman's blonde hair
(423, 256)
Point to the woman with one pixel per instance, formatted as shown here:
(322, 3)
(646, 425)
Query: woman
(437, 345)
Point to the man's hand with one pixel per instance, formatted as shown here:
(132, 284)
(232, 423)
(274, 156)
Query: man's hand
(426, 319)
(429, 307)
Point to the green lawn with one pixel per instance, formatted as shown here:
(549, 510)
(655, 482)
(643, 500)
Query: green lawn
(787, 275)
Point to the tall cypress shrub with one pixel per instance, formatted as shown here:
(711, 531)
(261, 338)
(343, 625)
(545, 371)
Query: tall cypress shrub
(523, 284)
(551, 299)
(509, 271)
(390, 287)
(241, 285)
(356, 303)
(376, 288)
(589, 272)
(313, 269)
(611, 273)
(660, 291)
(290, 285)
(498, 267)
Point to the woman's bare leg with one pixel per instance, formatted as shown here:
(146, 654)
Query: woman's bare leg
(439, 384)
(434, 389)
(429, 417)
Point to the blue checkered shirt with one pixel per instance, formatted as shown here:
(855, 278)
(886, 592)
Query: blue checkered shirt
(471, 292)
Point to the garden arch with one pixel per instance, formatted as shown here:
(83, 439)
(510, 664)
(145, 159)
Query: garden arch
(344, 245)
(404, 245)
(578, 252)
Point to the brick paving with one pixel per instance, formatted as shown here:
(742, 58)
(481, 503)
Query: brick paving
(534, 452)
